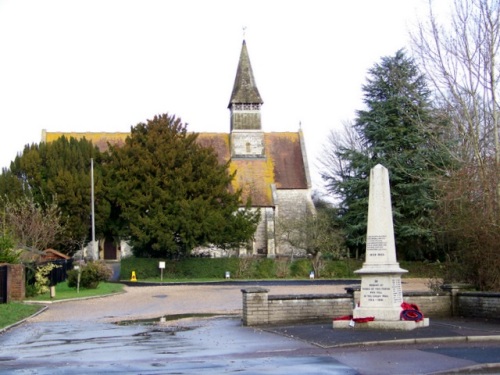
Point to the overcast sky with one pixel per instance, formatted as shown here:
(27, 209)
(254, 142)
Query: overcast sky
(106, 65)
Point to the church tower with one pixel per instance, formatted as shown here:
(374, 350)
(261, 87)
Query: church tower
(247, 138)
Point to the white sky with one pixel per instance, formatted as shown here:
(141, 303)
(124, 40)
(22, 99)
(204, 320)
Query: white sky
(106, 65)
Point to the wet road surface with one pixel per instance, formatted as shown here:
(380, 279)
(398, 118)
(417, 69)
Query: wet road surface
(210, 346)
(82, 337)
(219, 345)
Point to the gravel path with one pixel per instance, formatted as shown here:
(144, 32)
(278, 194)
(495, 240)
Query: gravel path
(155, 301)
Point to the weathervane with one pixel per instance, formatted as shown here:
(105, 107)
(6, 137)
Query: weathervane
(244, 31)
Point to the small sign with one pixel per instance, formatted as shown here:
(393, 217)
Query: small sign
(162, 265)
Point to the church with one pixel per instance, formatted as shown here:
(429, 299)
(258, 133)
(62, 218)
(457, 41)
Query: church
(272, 167)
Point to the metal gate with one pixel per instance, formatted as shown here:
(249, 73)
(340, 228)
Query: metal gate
(3, 283)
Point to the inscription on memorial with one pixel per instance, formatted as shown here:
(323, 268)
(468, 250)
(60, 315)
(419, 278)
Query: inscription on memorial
(397, 291)
(376, 246)
(376, 291)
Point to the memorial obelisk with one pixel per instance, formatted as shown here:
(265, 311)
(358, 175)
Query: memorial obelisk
(381, 294)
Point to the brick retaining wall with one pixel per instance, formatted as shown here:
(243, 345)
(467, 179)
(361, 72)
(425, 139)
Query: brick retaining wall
(16, 289)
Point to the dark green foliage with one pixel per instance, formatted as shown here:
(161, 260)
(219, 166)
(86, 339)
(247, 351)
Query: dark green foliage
(394, 130)
(59, 171)
(168, 194)
(341, 269)
(257, 268)
(301, 268)
(188, 268)
(7, 252)
(265, 269)
(91, 275)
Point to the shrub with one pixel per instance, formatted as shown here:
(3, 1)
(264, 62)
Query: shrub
(91, 275)
(42, 281)
(264, 269)
(282, 266)
(301, 268)
(254, 268)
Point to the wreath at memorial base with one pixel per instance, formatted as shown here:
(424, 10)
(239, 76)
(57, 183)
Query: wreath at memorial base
(411, 312)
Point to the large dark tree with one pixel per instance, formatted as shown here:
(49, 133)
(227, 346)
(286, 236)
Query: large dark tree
(169, 194)
(393, 130)
(59, 172)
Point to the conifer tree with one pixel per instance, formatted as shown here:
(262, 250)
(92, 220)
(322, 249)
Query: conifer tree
(169, 194)
(58, 172)
(393, 131)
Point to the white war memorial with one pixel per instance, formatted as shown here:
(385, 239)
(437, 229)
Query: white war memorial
(381, 294)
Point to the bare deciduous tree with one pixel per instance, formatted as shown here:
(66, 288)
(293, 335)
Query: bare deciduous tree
(313, 234)
(460, 60)
(34, 227)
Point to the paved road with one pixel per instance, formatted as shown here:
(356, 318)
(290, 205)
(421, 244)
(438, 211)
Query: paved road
(143, 302)
(81, 337)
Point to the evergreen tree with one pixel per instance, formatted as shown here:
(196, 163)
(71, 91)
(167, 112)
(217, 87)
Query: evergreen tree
(168, 194)
(393, 131)
(59, 172)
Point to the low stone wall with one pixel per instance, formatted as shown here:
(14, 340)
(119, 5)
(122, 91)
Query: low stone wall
(431, 304)
(309, 307)
(260, 308)
(479, 305)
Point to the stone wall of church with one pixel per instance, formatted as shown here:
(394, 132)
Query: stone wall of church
(292, 204)
(260, 242)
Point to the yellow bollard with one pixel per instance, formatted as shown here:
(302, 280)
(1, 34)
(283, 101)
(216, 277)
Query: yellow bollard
(133, 278)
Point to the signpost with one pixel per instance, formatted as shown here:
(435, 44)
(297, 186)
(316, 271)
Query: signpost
(162, 267)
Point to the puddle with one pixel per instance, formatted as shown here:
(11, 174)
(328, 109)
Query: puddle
(163, 319)
(160, 296)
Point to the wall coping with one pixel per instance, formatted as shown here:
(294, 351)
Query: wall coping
(425, 294)
(307, 296)
(480, 294)
(254, 289)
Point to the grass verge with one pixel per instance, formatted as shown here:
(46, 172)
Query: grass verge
(64, 292)
(14, 312)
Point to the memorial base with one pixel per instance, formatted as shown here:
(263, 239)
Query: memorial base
(380, 313)
(396, 325)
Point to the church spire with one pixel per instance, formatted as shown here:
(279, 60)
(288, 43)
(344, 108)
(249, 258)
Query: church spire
(245, 99)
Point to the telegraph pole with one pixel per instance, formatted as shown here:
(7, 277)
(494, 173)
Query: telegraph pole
(92, 205)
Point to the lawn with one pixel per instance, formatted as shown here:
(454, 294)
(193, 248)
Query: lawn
(13, 312)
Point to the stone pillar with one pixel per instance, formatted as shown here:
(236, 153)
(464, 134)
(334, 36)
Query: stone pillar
(454, 289)
(270, 232)
(255, 306)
